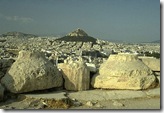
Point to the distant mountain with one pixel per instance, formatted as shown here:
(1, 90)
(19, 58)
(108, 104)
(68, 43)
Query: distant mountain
(18, 35)
(78, 36)
(156, 41)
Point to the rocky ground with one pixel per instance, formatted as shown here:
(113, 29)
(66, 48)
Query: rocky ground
(91, 99)
(133, 104)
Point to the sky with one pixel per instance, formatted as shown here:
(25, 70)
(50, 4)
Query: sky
(120, 20)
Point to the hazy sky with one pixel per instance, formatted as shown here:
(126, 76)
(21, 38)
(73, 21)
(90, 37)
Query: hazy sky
(126, 20)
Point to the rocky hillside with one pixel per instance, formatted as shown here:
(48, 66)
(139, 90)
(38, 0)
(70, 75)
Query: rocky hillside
(78, 36)
(156, 41)
(18, 35)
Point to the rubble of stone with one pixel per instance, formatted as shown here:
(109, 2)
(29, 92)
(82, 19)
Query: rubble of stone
(5, 64)
(76, 74)
(2, 89)
(152, 63)
(124, 71)
(31, 71)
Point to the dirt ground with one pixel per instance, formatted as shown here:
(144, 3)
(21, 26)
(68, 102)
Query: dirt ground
(144, 103)
(133, 104)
